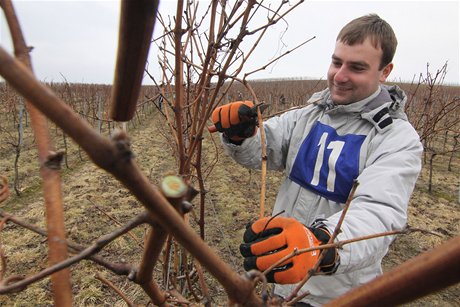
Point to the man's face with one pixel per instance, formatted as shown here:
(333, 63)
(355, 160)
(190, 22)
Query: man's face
(354, 72)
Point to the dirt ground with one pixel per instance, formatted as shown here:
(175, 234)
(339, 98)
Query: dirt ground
(95, 203)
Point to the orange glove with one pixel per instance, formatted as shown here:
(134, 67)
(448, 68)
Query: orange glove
(266, 244)
(237, 120)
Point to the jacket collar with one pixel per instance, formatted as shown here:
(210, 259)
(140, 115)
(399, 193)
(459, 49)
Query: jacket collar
(386, 104)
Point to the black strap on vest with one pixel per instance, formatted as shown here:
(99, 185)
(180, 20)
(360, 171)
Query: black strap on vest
(378, 116)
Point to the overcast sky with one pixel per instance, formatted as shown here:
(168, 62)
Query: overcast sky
(78, 39)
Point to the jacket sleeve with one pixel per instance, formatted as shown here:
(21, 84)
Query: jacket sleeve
(278, 131)
(381, 198)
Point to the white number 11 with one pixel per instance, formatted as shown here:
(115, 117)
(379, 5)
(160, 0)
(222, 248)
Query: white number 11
(336, 147)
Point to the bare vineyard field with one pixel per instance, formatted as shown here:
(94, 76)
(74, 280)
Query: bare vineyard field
(96, 204)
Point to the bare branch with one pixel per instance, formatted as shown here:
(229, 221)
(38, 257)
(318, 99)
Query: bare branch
(95, 248)
(4, 189)
(115, 288)
(293, 298)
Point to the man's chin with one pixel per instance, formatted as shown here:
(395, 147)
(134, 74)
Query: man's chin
(340, 99)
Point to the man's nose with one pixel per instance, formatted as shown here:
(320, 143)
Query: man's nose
(341, 75)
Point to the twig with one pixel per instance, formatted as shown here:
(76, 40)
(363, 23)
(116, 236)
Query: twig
(203, 285)
(4, 189)
(263, 145)
(256, 276)
(115, 288)
(279, 57)
(340, 244)
(179, 298)
(263, 178)
(290, 109)
(132, 235)
(321, 256)
(2, 254)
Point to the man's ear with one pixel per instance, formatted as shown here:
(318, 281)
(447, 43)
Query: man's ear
(386, 72)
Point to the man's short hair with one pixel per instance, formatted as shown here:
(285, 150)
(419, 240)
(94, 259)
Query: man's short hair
(378, 30)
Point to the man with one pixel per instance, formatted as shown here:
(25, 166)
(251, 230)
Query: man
(356, 129)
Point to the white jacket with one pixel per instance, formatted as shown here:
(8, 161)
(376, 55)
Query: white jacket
(322, 148)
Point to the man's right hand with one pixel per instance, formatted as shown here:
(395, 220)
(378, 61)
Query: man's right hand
(237, 120)
(268, 240)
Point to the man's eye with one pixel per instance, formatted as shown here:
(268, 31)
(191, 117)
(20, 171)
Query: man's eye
(358, 68)
(336, 64)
